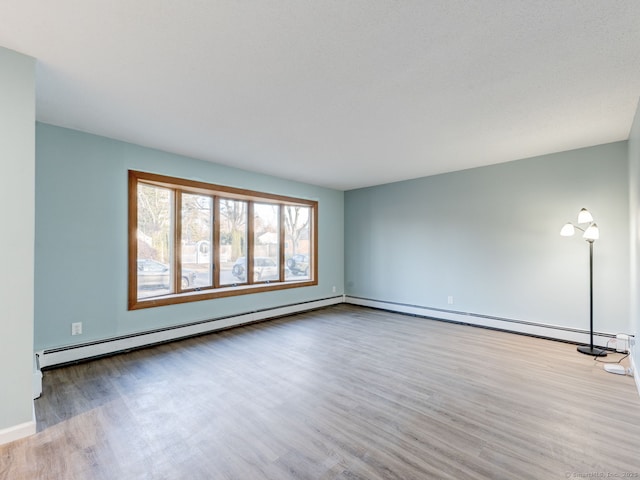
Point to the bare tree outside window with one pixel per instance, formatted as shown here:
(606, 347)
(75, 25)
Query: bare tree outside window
(233, 214)
(155, 250)
(266, 228)
(197, 231)
(296, 222)
(298, 247)
(233, 240)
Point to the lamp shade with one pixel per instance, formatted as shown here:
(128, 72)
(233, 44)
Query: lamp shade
(567, 230)
(592, 233)
(584, 216)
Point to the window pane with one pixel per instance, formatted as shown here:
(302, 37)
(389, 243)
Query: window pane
(196, 241)
(266, 247)
(233, 241)
(155, 249)
(297, 242)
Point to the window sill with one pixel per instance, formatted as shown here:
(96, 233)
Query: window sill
(200, 295)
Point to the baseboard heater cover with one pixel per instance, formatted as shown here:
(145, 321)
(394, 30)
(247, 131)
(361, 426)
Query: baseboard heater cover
(75, 353)
(553, 332)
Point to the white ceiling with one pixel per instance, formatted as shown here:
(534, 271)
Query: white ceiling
(337, 93)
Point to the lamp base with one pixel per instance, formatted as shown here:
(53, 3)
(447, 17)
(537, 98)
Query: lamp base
(593, 351)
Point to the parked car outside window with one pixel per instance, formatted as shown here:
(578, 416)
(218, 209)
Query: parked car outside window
(153, 274)
(264, 268)
(299, 264)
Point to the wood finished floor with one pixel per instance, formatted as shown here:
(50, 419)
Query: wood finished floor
(339, 393)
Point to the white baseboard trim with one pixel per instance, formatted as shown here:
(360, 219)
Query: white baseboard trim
(517, 326)
(17, 432)
(74, 353)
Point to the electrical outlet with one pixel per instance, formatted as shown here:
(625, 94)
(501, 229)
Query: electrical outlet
(76, 328)
(450, 300)
(334, 289)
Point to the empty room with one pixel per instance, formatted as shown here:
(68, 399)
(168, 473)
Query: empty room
(319, 240)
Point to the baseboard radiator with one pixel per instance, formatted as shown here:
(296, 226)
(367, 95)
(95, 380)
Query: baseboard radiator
(79, 352)
(60, 356)
(553, 332)
(74, 353)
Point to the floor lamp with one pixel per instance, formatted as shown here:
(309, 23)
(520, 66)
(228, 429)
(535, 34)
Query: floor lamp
(590, 234)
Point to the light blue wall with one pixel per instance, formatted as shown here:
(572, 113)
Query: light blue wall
(17, 164)
(81, 237)
(486, 236)
(634, 221)
(489, 237)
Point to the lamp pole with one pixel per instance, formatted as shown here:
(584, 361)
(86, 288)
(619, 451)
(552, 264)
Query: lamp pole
(591, 233)
(591, 350)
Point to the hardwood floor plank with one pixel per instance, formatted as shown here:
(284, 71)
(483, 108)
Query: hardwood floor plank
(340, 393)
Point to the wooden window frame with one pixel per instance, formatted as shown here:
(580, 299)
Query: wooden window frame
(179, 186)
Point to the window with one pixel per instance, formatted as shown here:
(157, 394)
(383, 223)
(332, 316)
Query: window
(192, 241)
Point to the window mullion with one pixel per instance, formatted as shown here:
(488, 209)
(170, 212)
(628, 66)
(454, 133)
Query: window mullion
(250, 241)
(177, 241)
(215, 248)
(281, 242)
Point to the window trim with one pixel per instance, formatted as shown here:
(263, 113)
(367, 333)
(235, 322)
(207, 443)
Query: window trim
(216, 192)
